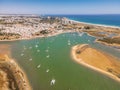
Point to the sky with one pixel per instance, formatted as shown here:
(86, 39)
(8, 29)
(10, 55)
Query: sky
(59, 6)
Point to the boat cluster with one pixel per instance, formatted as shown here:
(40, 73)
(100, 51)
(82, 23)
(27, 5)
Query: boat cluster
(52, 81)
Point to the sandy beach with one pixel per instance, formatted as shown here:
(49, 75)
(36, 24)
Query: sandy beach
(95, 24)
(12, 76)
(96, 60)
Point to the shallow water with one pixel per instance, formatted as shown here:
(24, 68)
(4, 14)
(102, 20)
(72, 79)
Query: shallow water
(39, 55)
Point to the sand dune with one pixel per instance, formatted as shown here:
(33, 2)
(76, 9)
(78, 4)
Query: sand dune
(12, 76)
(97, 60)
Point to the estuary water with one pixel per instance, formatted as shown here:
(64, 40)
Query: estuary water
(47, 59)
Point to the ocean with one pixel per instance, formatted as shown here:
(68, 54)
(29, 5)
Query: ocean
(108, 19)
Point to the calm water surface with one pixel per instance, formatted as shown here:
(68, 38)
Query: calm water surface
(44, 59)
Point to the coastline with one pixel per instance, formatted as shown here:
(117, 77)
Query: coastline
(80, 61)
(80, 24)
(99, 25)
(14, 76)
(112, 45)
(34, 37)
(103, 26)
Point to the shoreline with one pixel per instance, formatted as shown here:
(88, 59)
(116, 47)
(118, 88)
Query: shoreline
(99, 25)
(80, 61)
(104, 26)
(34, 37)
(13, 74)
(63, 31)
(112, 45)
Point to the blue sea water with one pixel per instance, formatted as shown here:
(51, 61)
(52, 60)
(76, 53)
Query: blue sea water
(109, 19)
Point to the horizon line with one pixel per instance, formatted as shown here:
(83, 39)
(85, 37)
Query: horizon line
(63, 14)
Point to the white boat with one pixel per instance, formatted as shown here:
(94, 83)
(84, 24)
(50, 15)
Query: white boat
(47, 56)
(80, 34)
(38, 50)
(47, 70)
(30, 47)
(46, 50)
(30, 59)
(38, 66)
(52, 82)
(25, 48)
(69, 43)
(22, 54)
(36, 46)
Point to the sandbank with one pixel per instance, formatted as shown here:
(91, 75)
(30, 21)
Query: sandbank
(96, 60)
(12, 77)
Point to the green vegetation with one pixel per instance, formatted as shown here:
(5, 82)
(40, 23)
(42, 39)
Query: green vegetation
(8, 36)
(96, 34)
(87, 27)
(44, 32)
(50, 20)
(113, 72)
(108, 40)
